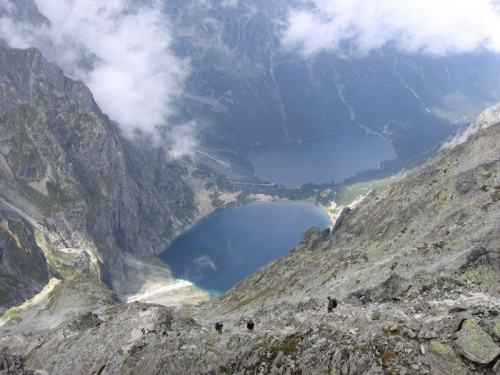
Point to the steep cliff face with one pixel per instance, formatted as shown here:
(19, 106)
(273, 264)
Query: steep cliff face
(23, 267)
(415, 268)
(78, 190)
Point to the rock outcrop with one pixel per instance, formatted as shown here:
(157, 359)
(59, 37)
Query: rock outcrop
(488, 118)
(74, 195)
(444, 360)
(475, 344)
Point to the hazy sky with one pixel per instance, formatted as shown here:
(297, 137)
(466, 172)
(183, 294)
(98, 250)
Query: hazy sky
(354, 27)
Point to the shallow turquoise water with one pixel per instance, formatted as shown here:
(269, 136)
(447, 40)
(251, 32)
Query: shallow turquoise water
(230, 244)
(323, 160)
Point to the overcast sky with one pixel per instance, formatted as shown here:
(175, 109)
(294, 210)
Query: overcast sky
(354, 27)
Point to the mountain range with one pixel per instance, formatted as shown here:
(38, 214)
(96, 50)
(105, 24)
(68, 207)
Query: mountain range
(414, 268)
(414, 265)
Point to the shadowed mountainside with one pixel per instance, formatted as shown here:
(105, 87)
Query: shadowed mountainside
(74, 194)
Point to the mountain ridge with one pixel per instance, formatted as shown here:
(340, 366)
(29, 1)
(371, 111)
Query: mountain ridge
(416, 295)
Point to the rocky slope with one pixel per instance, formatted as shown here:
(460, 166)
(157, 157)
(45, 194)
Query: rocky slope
(434, 219)
(488, 118)
(74, 195)
(415, 267)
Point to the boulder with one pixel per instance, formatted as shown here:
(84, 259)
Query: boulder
(312, 238)
(444, 360)
(475, 344)
(310, 304)
(458, 308)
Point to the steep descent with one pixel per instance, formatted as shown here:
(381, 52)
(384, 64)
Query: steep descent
(415, 269)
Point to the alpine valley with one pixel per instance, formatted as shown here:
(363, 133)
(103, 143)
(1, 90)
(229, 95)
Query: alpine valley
(413, 255)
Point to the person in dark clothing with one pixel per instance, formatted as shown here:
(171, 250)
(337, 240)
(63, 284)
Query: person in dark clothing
(218, 327)
(332, 303)
(250, 325)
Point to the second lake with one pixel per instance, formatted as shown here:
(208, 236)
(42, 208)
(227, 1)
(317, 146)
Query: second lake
(327, 159)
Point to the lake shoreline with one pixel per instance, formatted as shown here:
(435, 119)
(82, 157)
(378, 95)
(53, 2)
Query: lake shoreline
(325, 160)
(231, 243)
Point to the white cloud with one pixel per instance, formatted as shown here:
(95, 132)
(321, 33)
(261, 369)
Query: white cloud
(182, 140)
(354, 27)
(133, 74)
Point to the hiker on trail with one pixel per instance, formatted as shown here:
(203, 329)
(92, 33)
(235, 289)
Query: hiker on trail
(64, 333)
(250, 325)
(218, 327)
(332, 303)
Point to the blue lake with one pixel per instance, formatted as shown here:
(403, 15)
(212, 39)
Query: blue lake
(322, 160)
(230, 244)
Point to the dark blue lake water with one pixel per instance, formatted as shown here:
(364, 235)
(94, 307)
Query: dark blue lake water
(230, 244)
(328, 159)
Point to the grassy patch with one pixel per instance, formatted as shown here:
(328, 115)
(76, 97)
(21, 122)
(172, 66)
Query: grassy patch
(349, 193)
(244, 303)
(383, 231)
(10, 314)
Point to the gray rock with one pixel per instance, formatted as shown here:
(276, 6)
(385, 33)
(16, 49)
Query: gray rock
(430, 335)
(310, 304)
(458, 308)
(312, 238)
(394, 327)
(496, 330)
(444, 360)
(340, 220)
(475, 344)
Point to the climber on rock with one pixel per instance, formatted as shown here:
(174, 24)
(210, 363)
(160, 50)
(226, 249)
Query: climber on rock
(218, 327)
(250, 325)
(332, 303)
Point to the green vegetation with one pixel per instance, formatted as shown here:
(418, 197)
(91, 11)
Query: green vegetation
(11, 314)
(346, 194)
(62, 262)
(323, 195)
(246, 302)
(376, 315)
